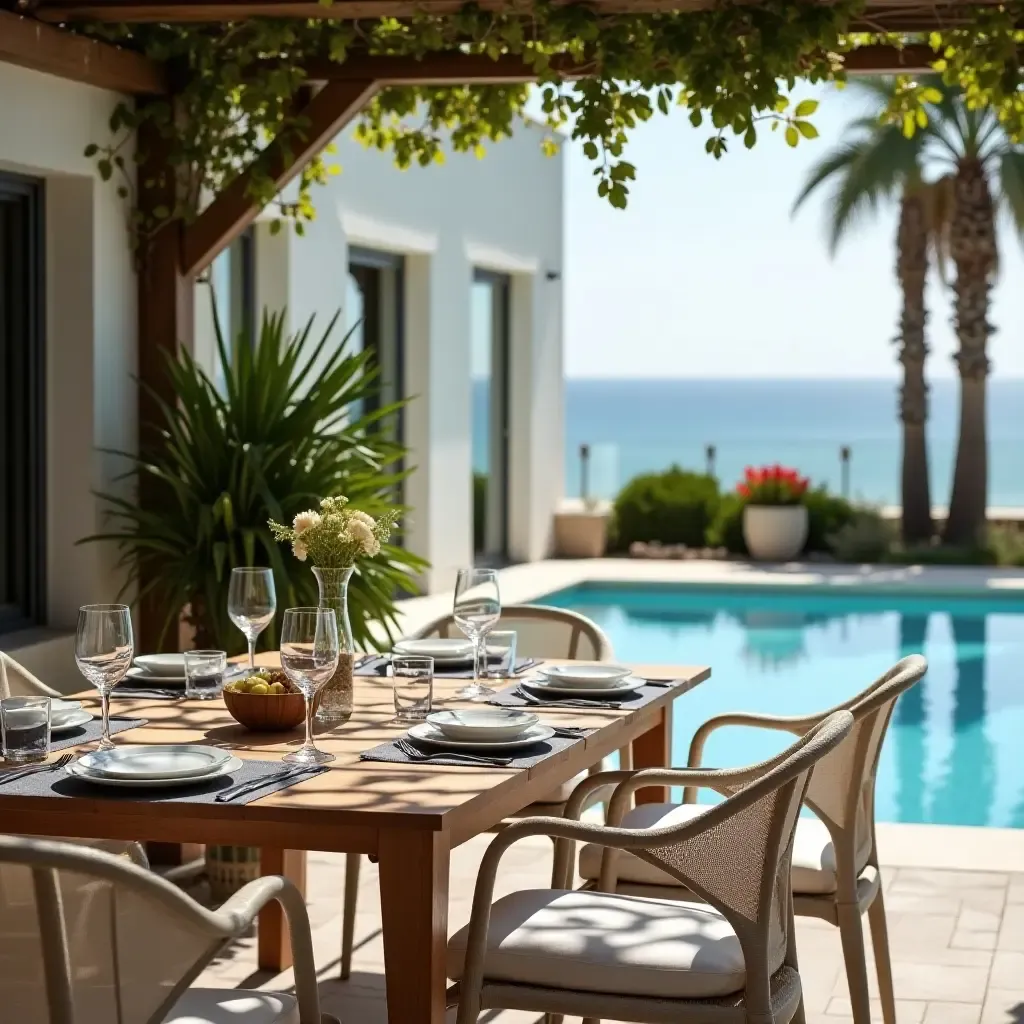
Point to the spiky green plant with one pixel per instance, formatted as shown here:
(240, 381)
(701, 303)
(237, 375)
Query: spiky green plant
(289, 427)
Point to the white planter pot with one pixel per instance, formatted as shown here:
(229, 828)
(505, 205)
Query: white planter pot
(775, 533)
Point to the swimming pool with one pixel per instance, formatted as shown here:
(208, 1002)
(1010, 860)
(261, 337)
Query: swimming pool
(955, 750)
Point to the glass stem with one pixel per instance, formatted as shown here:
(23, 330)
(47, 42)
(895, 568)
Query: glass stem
(309, 722)
(252, 653)
(105, 710)
(480, 658)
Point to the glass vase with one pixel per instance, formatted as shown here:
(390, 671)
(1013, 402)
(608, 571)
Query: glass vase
(336, 696)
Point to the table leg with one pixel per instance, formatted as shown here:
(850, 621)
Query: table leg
(414, 917)
(653, 749)
(273, 945)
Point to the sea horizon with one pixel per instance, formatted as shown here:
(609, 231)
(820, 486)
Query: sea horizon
(641, 424)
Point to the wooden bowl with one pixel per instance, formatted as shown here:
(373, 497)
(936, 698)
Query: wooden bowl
(267, 712)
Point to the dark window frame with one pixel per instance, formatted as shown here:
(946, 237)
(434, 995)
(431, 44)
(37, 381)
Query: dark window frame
(501, 360)
(23, 396)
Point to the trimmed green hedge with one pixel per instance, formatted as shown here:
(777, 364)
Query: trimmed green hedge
(674, 507)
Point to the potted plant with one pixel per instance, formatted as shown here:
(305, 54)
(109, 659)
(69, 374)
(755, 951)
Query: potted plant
(774, 513)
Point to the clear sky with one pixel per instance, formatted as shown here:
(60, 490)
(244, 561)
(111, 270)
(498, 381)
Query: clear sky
(706, 274)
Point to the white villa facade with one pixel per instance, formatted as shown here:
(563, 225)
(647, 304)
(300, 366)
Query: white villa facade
(448, 269)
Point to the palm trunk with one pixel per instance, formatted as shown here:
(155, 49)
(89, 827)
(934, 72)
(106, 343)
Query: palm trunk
(973, 248)
(912, 271)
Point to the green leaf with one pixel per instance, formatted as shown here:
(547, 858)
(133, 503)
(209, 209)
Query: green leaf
(91, 150)
(805, 108)
(792, 135)
(105, 168)
(806, 129)
(750, 137)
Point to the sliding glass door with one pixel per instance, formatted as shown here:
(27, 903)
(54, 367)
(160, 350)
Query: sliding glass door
(490, 326)
(22, 404)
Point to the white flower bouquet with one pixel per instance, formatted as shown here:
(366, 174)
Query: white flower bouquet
(337, 536)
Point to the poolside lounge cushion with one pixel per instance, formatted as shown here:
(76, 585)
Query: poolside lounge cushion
(814, 860)
(602, 942)
(233, 1006)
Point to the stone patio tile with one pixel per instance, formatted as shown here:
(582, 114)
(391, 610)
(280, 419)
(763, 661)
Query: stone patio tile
(949, 880)
(930, 982)
(1015, 893)
(919, 931)
(990, 900)
(973, 920)
(907, 1011)
(979, 958)
(973, 940)
(1007, 970)
(952, 1013)
(1003, 1006)
(1011, 933)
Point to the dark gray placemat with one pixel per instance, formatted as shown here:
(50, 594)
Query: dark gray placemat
(60, 784)
(507, 698)
(91, 731)
(379, 667)
(520, 759)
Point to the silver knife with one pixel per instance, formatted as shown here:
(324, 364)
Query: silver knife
(268, 780)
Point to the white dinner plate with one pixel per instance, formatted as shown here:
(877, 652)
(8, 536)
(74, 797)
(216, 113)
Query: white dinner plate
(560, 690)
(154, 761)
(162, 664)
(433, 737)
(585, 675)
(140, 675)
(438, 649)
(69, 720)
(58, 706)
(232, 764)
(483, 725)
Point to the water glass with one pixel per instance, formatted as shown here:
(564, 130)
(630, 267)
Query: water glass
(413, 680)
(501, 653)
(477, 609)
(252, 602)
(25, 725)
(204, 674)
(309, 656)
(104, 648)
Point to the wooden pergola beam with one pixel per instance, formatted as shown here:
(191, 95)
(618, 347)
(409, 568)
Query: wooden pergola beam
(881, 15)
(234, 209)
(31, 44)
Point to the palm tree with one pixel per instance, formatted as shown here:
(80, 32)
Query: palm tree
(973, 146)
(970, 154)
(876, 164)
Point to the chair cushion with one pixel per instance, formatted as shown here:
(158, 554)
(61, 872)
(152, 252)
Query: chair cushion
(814, 857)
(233, 1006)
(605, 942)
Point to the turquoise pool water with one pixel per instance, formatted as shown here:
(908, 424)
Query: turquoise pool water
(955, 750)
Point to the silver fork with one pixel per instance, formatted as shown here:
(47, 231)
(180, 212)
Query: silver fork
(273, 779)
(415, 754)
(37, 769)
(568, 702)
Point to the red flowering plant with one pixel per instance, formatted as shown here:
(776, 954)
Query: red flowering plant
(772, 485)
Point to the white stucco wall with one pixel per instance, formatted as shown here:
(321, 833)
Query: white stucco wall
(502, 213)
(45, 125)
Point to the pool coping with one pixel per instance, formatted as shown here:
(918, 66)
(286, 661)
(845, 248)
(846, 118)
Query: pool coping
(925, 846)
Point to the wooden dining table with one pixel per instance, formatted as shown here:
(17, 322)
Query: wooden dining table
(406, 817)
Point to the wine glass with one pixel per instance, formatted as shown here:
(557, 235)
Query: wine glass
(309, 656)
(104, 648)
(252, 602)
(476, 612)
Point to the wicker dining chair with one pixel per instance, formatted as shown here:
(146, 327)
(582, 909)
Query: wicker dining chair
(730, 959)
(836, 876)
(541, 632)
(87, 938)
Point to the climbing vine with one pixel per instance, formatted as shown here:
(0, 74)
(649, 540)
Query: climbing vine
(731, 69)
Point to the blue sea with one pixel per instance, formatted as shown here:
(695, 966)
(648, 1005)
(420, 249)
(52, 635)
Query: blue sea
(633, 426)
